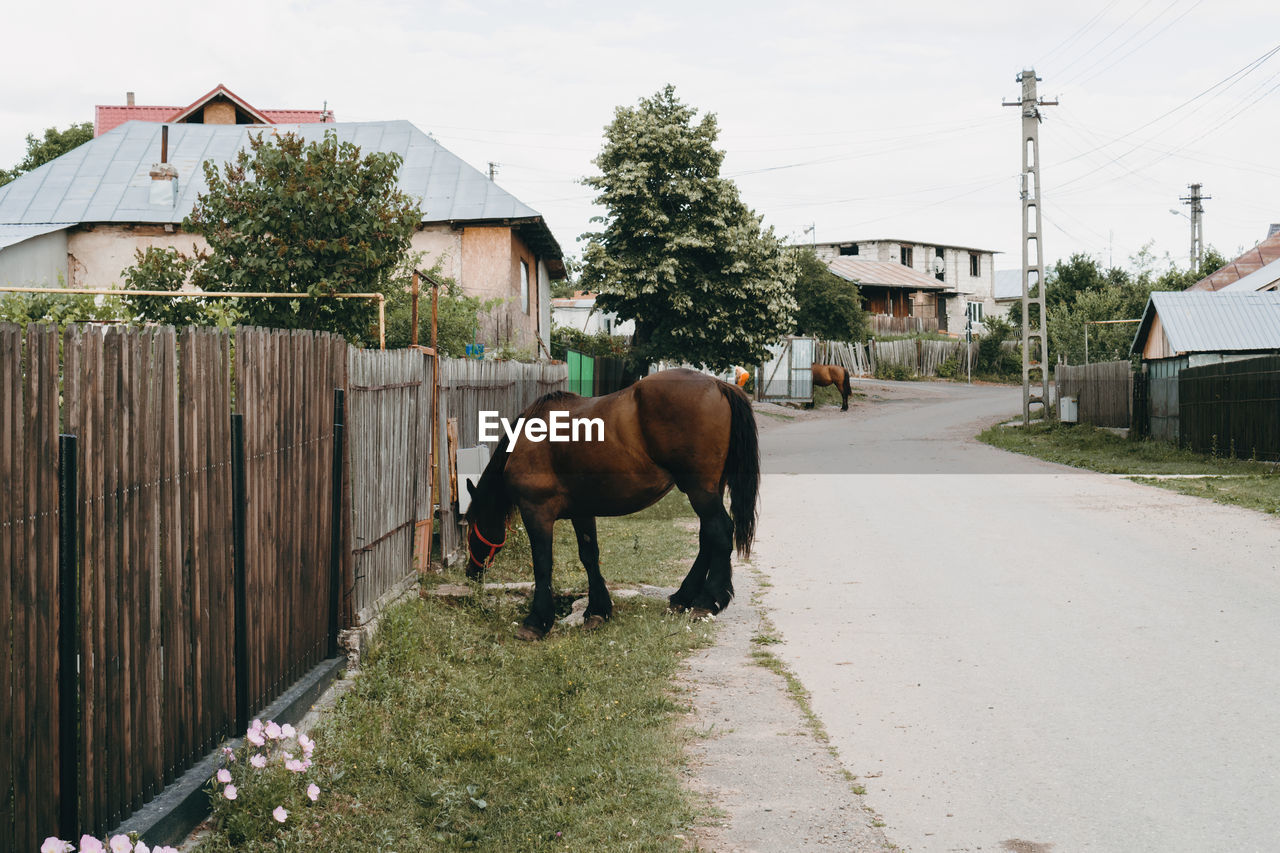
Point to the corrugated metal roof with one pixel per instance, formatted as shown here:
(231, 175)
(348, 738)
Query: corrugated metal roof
(11, 235)
(908, 243)
(108, 178)
(1252, 260)
(1261, 279)
(1209, 321)
(882, 274)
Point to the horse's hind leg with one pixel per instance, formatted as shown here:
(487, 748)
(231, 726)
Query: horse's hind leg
(682, 599)
(715, 545)
(542, 614)
(599, 604)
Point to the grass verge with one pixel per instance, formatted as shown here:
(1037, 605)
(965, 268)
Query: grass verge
(1238, 482)
(457, 736)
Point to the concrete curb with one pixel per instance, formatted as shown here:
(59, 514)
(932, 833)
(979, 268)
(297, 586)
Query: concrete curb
(170, 817)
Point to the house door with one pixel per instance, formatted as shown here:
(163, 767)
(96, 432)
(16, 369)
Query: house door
(942, 313)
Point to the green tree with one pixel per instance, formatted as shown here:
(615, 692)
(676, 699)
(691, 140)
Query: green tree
(457, 314)
(828, 307)
(52, 145)
(318, 218)
(168, 269)
(678, 251)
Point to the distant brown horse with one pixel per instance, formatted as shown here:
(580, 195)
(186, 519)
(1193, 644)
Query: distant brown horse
(676, 428)
(833, 374)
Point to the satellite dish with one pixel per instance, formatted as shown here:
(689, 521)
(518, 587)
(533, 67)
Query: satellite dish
(938, 265)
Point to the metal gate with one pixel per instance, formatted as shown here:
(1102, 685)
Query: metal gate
(787, 376)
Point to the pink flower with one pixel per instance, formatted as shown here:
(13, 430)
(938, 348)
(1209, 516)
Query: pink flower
(229, 753)
(272, 730)
(229, 792)
(141, 848)
(121, 844)
(280, 814)
(313, 792)
(258, 761)
(294, 765)
(255, 737)
(89, 844)
(57, 845)
(307, 745)
(255, 726)
(224, 775)
(288, 730)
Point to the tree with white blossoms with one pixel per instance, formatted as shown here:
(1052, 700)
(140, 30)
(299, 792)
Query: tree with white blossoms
(678, 250)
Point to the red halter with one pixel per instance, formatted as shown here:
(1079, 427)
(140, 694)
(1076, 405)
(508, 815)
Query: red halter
(493, 549)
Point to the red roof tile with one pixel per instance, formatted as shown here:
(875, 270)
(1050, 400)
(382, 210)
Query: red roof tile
(1251, 261)
(109, 117)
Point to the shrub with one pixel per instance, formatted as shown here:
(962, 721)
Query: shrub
(263, 783)
(894, 371)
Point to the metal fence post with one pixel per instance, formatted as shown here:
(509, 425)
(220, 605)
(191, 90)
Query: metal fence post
(68, 643)
(335, 522)
(238, 498)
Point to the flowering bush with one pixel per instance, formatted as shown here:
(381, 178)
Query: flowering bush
(89, 844)
(265, 784)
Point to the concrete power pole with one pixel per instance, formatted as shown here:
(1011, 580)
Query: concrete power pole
(1035, 343)
(1197, 223)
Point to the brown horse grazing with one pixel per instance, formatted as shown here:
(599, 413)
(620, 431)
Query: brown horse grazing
(675, 428)
(833, 374)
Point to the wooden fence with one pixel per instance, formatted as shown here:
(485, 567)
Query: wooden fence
(921, 357)
(883, 324)
(1103, 391)
(388, 402)
(469, 387)
(168, 663)
(29, 615)
(1232, 408)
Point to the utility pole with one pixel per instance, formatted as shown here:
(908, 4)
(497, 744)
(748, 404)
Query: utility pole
(1034, 324)
(493, 169)
(1197, 223)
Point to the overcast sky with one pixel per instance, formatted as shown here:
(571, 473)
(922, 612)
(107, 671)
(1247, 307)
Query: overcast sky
(861, 119)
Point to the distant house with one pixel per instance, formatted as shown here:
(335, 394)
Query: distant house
(961, 274)
(80, 218)
(1195, 328)
(217, 106)
(899, 298)
(579, 312)
(1008, 291)
(1258, 266)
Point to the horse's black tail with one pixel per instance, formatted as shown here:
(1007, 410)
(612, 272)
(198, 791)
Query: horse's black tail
(742, 468)
(848, 386)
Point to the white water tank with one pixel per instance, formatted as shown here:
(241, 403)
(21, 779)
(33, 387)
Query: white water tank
(1068, 411)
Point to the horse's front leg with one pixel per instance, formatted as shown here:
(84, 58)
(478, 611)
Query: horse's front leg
(599, 604)
(542, 614)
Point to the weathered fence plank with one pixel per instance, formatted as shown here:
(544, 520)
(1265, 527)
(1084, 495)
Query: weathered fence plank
(1103, 391)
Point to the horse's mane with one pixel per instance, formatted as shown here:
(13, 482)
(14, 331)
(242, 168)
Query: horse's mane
(490, 489)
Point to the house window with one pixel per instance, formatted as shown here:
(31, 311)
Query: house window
(849, 250)
(907, 256)
(524, 287)
(975, 264)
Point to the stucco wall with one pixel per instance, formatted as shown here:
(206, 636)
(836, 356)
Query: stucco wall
(38, 262)
(98, 254)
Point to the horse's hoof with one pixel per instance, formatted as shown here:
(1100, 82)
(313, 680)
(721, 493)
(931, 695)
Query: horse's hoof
(529, 635)
(592, 622)
(673, 607)
(698, 614)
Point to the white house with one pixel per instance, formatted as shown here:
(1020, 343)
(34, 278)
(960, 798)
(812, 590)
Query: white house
(579, 312)
(964, 274)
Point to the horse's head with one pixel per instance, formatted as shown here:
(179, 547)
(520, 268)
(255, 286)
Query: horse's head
(486, 534)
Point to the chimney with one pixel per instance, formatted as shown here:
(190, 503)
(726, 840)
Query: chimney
(128, 98)
(164, 177)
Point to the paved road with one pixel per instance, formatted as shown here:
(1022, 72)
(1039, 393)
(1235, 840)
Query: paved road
(1016, 656)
